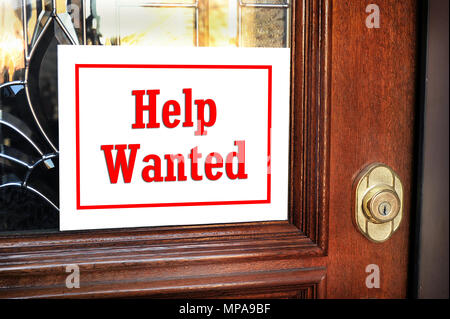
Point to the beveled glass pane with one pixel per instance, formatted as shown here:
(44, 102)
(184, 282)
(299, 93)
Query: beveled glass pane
(166, 22)
(101, 22)
(38, 13)
(43, 87)
(17, 133)
(67, 21)
(74, 8)
(265, 1)
(12, 60)
(214, 23)
(25, 210)
(134, 3)
(67, 26)
(264, 27)
(222, 26)
(157, 26)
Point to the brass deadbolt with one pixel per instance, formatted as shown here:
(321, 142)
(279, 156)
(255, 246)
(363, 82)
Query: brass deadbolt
(378, 202)
(381, 204)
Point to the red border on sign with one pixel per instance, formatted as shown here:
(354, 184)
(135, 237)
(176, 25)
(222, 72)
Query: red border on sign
(170, 66)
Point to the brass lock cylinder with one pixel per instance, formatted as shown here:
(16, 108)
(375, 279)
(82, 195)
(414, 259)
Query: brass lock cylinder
(381, 204)
(378, 202)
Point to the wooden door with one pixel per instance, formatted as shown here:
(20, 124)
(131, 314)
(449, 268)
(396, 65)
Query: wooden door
(373, 95)
(352, 104)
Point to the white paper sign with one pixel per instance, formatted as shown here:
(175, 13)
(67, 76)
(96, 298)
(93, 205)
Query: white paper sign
(172, 136)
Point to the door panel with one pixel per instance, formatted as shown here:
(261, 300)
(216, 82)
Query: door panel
(352, 104)
(372, 120)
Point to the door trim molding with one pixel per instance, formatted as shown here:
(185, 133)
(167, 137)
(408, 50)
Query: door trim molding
(310, 120)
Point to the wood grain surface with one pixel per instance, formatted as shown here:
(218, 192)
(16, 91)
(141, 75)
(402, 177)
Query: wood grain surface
(353, 100)
(372, 120)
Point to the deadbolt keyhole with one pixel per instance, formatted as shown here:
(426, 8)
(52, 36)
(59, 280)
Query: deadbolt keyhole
(378, 202)
(384, 208)
(381, 204)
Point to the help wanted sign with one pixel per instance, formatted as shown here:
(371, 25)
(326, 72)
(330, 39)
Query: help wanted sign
(172, 136)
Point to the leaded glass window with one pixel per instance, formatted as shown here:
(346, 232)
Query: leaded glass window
(30, 31)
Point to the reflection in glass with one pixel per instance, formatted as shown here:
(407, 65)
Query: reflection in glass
(30, 31)
(11, 41)
(38, 13)
(155, 26)
(256, 32)
(265, 2)
(189, 22)
(67, 21)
